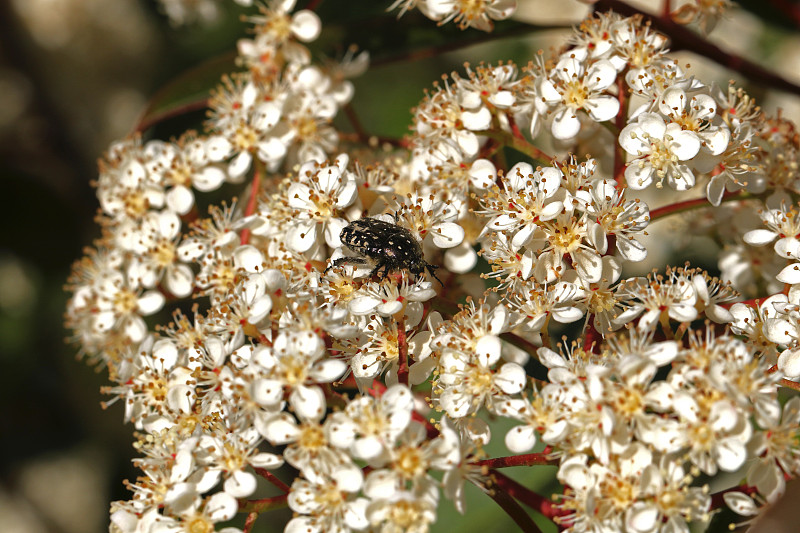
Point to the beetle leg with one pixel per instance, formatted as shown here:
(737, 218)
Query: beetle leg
(432, 271)
(346, 260)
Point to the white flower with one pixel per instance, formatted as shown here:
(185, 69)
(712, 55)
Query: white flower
(310, 444)
(230, 454)
(319, 198)
(329, 502)
(577, 84)
(611, 214)
(783, 223)
(377, 423)
(660, 150)
(246, 115)
(696, 115)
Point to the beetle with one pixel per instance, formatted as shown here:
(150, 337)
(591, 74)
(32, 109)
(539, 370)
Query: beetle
(390, 246)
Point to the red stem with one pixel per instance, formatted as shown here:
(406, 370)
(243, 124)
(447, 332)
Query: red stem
(402, 348)
(272, 478)
(264, 504)
(250, 522)
(622, 118)
(535, 501)
(506, 501)
(790, 384)
(251, 203)
(687, 205)
(527, 459)
(591, 334)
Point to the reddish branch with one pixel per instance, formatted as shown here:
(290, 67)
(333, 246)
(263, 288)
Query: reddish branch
(790, 384)
(402, 349)
(249, 522)
(517, 491)
(251, 202)
(264, 504)
(527, 459)
(513, 509)
(620, 121)
(688, 205)
(272, 478)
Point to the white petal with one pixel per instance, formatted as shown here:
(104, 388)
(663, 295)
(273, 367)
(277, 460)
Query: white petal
(731, 454)
(511, 378)
(328, 370)
(520, 439)
(348, 478)
(740, 503)
(447, 235)
(249, 258)
(565, 124)
(240, 164)
(716, 142)
(308, 402)
(380, 484)
(567, 315)
(259, 309)
(477, 121)
(642, 517)
(240, 484)
(180, 199)
(166, 351)
(306, 25)
(759, 237)
(637, 177)
(363, 305)
(589, 265)
(333, 229)
(482, 174)
(180, 281)
(789, 363)
(266, 460)
(488, 349)
(208, 179)
(460, 259)
(683, 144)
(631, 249)
(602, 108)
(652, 124)
(632, 141)
(221, 507)
(280, 429)
(303, 236)
(550, 358)
(267, 392)
(150, 302)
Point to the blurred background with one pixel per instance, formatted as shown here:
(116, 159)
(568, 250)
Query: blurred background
(76, 74)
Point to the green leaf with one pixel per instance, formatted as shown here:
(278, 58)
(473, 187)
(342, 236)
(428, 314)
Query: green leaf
(187, 92)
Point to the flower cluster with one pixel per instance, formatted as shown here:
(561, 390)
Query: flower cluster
(379, 386)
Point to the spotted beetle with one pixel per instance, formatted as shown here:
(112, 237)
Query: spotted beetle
(390, 246)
